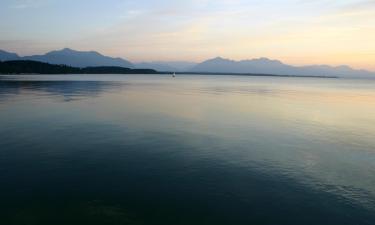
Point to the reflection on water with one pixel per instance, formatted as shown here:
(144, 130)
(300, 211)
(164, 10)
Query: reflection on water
(189, 150)
(69, 90)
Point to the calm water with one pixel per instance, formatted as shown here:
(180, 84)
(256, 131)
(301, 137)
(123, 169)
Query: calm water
(86, 149)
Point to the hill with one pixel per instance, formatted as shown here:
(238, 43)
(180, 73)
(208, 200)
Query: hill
(35, 67)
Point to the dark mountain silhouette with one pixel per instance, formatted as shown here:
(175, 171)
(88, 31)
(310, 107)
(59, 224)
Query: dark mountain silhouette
(79, 59)
(35, 67)
(5, 56)
(267, 66)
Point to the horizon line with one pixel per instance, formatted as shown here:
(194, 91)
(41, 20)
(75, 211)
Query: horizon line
(188, 61)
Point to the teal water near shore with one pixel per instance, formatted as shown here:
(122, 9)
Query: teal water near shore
(152, 149)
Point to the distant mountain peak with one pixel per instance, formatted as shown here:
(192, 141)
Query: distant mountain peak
(76, 58)
(344, 67)
(72, 51)
(5, 52)
(4, 55)
(67, 50)
(264, 59)
(64, 50)
(219, 58)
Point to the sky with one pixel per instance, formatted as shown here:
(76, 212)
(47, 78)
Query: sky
(297, 32)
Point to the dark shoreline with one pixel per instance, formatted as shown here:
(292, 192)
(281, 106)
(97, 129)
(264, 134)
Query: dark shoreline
(181, 73)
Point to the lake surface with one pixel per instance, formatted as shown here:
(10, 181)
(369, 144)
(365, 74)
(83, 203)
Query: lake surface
(151, 149)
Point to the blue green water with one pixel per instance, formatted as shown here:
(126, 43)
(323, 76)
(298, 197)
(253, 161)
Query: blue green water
(138, 149)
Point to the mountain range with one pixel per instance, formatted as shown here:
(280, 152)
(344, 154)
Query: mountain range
(268, 66)
(72, 58)
(83, 59)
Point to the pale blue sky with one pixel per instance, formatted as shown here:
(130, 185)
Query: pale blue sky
(295, 31)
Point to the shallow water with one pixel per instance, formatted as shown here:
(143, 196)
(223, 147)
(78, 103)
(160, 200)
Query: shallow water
(151, 149)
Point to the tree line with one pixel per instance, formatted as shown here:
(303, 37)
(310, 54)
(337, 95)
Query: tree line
(35, 67)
